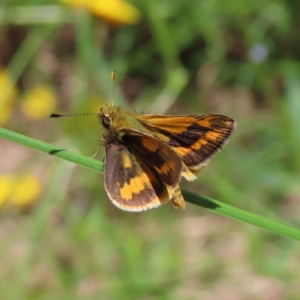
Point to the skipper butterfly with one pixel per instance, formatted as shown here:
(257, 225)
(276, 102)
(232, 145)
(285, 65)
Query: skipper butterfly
(146, 155)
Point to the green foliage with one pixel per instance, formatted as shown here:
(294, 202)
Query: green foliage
(230, 57)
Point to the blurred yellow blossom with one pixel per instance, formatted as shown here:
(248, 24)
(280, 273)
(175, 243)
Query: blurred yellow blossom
(6, 186)
(114, 12)
(19, 192)
(39, 103)
(26, 191)
(7, 95)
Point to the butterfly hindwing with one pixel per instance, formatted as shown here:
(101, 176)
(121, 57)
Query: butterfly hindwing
(159, 156)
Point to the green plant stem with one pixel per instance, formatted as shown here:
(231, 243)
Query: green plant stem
(216, 206)
(28, 49)
(52, 150)
(242, 215)
(33, 14)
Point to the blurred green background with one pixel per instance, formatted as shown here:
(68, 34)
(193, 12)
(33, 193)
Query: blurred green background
(60, 236)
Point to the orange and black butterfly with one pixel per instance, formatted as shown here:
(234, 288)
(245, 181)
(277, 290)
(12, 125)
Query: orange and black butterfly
(146, 155)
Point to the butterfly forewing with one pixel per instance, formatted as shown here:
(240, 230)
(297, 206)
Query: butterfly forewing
(194, 138)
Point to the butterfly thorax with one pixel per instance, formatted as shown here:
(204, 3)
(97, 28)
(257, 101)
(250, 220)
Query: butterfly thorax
(114, 121)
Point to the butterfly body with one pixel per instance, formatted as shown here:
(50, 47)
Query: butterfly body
(146, 155)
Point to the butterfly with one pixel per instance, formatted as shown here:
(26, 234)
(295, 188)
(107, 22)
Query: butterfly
(146, 155)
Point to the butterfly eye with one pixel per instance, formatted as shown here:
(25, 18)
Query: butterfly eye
(106, 121)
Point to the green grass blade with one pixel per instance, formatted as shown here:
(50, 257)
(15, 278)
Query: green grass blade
(29, 48)
(242, 215)
(216, 206)
(52, 150)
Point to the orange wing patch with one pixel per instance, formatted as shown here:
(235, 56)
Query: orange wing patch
(194, 138)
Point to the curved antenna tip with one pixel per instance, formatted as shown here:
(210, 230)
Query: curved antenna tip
(55, 116)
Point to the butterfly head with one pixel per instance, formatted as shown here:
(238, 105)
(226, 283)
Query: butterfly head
(106, 115)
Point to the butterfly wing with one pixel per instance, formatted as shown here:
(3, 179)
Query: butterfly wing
(156, 154)
(141, 172)
(130, 185)
(194, 138)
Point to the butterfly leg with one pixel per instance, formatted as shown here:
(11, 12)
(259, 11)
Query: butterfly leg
(96, 152)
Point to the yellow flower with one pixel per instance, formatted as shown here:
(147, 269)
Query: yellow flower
(26, 192)
(39, 103)
(20, 192)
(114, 12)
(7, 95)
(6, 186)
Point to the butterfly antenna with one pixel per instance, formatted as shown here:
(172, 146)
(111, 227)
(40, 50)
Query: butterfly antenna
(72, 115)
(113, 75)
